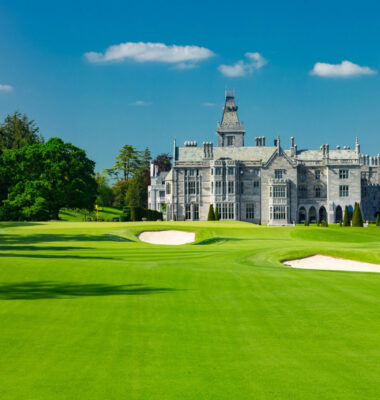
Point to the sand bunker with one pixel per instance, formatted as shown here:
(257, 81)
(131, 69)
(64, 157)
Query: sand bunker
(332, 263)
(167, 237)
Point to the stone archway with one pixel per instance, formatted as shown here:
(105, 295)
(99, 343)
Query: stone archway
(312, 215)
(338, 214)
(302, 215)
(322, 214)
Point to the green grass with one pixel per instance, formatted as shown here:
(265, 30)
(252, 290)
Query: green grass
(89, 312)
(107, 213)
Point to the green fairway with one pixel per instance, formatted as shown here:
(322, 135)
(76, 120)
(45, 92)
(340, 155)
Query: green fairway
(89, 312)
(106, 213)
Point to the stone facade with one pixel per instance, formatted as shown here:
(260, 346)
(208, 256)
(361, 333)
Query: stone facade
(265, 183)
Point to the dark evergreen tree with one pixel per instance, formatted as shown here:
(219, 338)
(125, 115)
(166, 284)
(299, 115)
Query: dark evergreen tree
(346, 218)
(357, 219)
(217, 217)
(211, 214)
(127, 163)
(17, 131)
(378, 219)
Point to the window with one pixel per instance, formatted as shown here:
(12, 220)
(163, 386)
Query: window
(197, 171)
(191, 172)
(278, 191)
(317, 174)
(212, 187)
(231, 170)
(168, 188)
(278, 173)
(343, 191)
(343, 174)
(218, 187)
(256, 186)
(250, 211)
(230, 187)
(225, 210)
(302, 191)
(190, 187)
(218, 171)
(241, 187)
(278, 212)
(212, 171)
(196, 212)
(162, 193)
(188, 211)
(197, 187)
(317, 191)
(256, 171)
(230, 140)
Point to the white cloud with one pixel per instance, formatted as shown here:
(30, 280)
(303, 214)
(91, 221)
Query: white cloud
(345, 69)
(6, 88)
(208, 104)
(183, 56)
(140, 103)
(242, 68)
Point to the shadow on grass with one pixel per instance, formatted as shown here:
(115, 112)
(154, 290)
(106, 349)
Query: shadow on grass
(58, 290)
(217, 240)
(57, 237)
(42, 248)
(60, 256)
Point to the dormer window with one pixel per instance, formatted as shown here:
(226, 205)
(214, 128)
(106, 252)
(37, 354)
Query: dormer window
(230, 140)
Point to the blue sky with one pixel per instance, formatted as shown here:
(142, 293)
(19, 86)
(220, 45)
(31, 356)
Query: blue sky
(146, 94)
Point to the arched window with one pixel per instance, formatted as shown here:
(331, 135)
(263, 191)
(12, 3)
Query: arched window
(312, 215)
(302, 215)
(322, 214)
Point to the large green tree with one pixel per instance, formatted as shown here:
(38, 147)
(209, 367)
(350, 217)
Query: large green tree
(127, 163)
(105, 195)
(17, 131)
(41, 179)
(137, 192)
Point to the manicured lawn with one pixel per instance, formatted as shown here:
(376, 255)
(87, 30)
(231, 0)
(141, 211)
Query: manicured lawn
(89, 312)
(106, 213)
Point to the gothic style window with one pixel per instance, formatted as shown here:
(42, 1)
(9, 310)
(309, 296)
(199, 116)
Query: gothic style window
(231, 170)
(317, 174)
(190, 188)
(343, 174)
(188, 211)
(218, 187)
(250, 211)
(218, 171)
(278, 173)
(191, 172)
(278, 212)
(317, 191)
(196, 212)
(230, 187)
(302, 191)
(343, 191)
(225, 210)
(162, 193)
(279, 191)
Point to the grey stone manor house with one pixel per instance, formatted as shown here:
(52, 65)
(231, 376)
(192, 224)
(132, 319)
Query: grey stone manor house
(268, 183)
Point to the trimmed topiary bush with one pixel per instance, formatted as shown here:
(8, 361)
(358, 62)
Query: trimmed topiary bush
(378, 220)
(306, 223)
(346, 218)
(216, 214)
(357, 219)
(211, 213)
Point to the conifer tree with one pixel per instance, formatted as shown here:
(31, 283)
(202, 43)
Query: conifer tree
(211, 215)
(378, 219)
(357, 219)
(216, 214)
(346, 218)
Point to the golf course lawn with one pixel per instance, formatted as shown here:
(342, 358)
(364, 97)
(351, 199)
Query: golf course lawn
(90, 312)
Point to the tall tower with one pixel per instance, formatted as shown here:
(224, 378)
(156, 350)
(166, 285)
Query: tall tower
(230, 131)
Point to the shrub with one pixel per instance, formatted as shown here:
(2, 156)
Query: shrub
(216, 214)
(259, 223)
(357, 219)
(211, 213)
(346, 218)
(89, 219)
(378, 220)
(324, 224)
(174, 217)
(306, 223)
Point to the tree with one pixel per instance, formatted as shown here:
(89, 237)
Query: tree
(378, 219)
(216, 214)
(163, 162)
(346, 218)
(119, 190)
(145, 159)
(127, 163)
(211, 214)
(357, 219)
(105, 194)
(17, 131)
(137, 193)
(41, 179)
